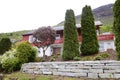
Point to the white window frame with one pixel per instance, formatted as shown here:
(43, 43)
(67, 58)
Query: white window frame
(101, 47)
(109, 45)
(57, 36)
(30, 38)
(97, 31)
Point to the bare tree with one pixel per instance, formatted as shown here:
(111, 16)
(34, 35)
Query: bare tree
(44, 37)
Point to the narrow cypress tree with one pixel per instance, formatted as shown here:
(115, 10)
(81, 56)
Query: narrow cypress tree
(116, 11)
(71, 44)
(88, 31)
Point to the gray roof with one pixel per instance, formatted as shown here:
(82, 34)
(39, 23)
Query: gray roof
(62, 27)
(28, 33)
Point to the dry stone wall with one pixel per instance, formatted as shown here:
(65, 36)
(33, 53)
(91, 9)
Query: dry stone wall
(87, 69)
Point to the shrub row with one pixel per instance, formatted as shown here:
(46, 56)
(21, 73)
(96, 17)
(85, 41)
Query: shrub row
(14, 58)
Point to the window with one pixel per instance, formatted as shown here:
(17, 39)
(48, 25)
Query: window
(101, 47)
(109, 45)
(31, 38)
(97, 31)
(57, 36)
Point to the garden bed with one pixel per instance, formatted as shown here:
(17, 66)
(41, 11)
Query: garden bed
(107, 55)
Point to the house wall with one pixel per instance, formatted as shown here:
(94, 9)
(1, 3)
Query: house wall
(25, 38)
(106, 41)
(60, 32)
(48, 52)
(105, 45)
(57, 50)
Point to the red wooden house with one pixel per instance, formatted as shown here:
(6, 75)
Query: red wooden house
(106, 41)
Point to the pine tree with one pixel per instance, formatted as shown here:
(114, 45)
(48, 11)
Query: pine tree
(5, 45)
(88, 31)
(116, 11)
(71, 44)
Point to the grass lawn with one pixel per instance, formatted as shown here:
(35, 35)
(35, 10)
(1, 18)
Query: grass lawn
(24, 76)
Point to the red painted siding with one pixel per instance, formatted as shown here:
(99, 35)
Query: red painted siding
(100, 38)
(60, 41)
(25, 38)
(106, 37)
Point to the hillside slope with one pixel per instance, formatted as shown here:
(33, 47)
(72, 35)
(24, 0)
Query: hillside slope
(14, 36)
(103, 13)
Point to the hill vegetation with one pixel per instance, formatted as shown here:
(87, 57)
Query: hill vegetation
(103, 13)
(14, 36)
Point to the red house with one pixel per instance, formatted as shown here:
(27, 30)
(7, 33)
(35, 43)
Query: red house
(106, 41)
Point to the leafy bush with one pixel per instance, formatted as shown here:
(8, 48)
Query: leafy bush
(14, 58)
(101, 56)
(25, 52)
(52, 59)
(9, 64)
(98, 58)
(76, 58)
(105, 55)
(9, 61)
(106, 28)
(40, 59)
(87, 58)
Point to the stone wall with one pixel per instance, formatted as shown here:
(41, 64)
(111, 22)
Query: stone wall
(87, 69)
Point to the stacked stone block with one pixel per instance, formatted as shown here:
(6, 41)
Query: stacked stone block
(87, 69)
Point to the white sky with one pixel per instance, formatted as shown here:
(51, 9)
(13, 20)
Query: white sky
(18, 15)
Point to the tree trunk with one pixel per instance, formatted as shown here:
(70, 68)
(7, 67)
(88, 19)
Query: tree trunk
(43, 53)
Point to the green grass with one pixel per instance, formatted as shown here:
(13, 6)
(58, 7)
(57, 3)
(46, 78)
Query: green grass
(24, 76)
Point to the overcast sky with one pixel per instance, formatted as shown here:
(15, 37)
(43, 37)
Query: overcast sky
(18, 15)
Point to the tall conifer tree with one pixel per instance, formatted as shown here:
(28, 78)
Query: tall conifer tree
(88, 30)
(71, 44)
(5, 45)
(116, 28)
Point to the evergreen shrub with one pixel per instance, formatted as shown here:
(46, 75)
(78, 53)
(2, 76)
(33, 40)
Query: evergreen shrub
(25, 52)
(71, 44)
